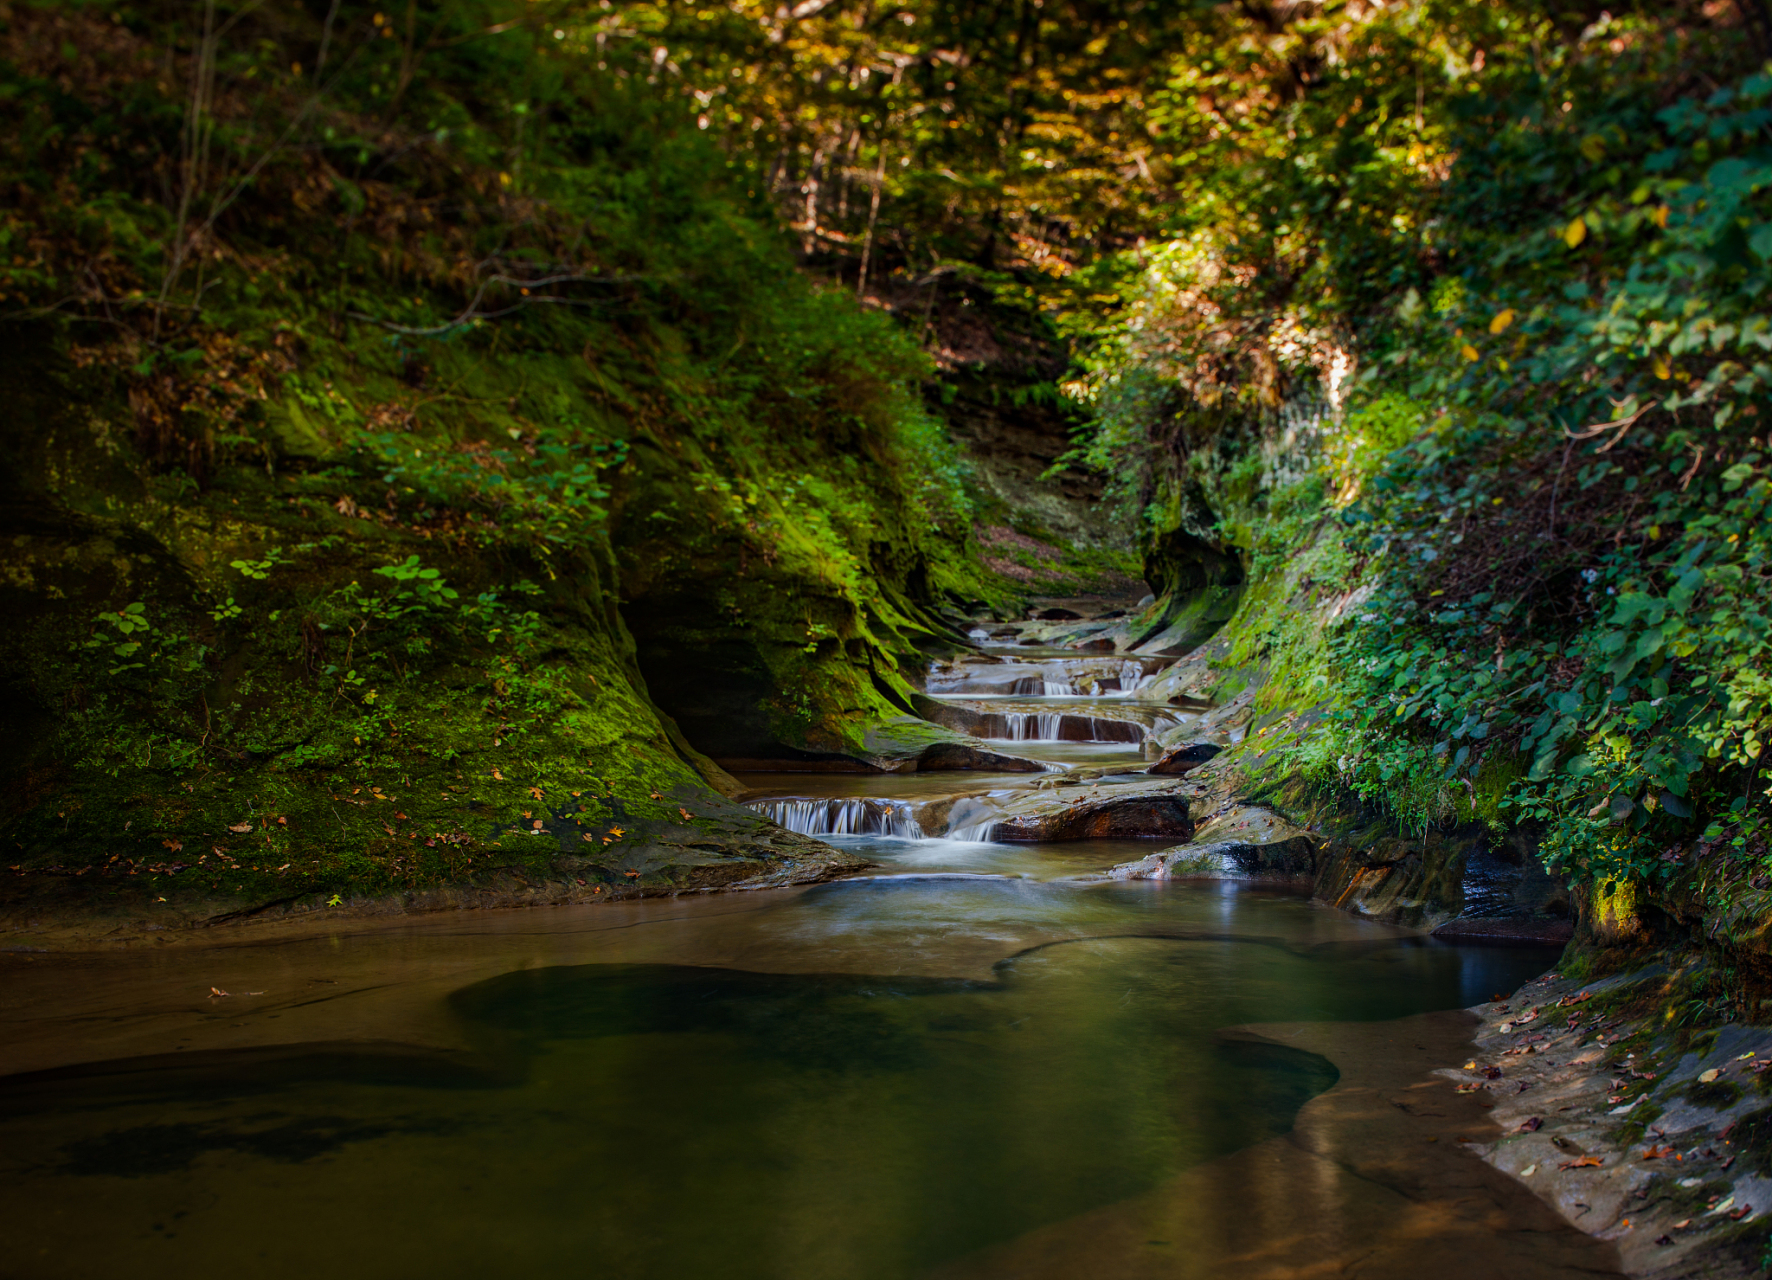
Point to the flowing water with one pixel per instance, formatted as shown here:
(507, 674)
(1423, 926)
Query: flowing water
(969, 1062)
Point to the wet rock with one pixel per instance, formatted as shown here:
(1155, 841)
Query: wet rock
(1185, 759)
(1243, 842)
(1135, 817)
(1289, 860)
(1595, 1116)
(1522, 932)
(1139, 808)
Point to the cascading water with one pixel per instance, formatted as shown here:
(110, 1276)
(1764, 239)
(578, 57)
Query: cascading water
(1055, 726)
(1058, 688)
(1033, 726)
(841, 817)
(1132, 676)
(972, 820)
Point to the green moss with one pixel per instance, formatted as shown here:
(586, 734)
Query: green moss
(1717, 1094)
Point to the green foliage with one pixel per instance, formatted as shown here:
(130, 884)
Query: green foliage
(1494, 288)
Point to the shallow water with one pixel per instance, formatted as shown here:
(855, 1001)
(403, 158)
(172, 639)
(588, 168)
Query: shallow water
(863, 1094)
(933, 1067)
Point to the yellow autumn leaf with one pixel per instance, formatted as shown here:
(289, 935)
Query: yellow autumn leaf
(1575, 232)
(1502, 321)
(1662, 369)
(1658, 215)
(1468, 352)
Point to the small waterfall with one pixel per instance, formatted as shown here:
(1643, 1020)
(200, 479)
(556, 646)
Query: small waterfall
(1055, 726)
(1033, 726)
(1058, 688)
(1132, 676)
(841, 817)
(972, 820)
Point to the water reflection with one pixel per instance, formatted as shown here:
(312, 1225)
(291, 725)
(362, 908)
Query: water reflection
(851, 1093)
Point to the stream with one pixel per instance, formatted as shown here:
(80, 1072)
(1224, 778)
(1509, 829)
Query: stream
(973, 1060)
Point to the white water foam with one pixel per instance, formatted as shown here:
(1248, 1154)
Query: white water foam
(841, 817)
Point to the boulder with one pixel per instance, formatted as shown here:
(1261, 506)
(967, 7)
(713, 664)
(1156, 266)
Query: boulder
(1185, 759)
(1070, 807)
(1243, 843)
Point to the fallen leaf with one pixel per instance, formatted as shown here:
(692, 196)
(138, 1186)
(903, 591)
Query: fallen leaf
(536, 792)
(1582, 1162)
(239, 826)
(174, 845)
(1707, 1076)
(617, 832)
(497, 776)
(1492, 1073)
(1743, 1057)
(1532, 1124)
(1470, 1066)
(1528, 1171)
(216, 992)
(1658, 1153)
(536, 825)
(1468, 1088)
(1682, 1224)
(1575, 232)
(283, 822)
(1742, 1212)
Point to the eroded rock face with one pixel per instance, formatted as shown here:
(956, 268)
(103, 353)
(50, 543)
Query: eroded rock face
(1412, 882)
(1242, 843)
(1185, 759)
(1134, 818)
(1074, 808)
